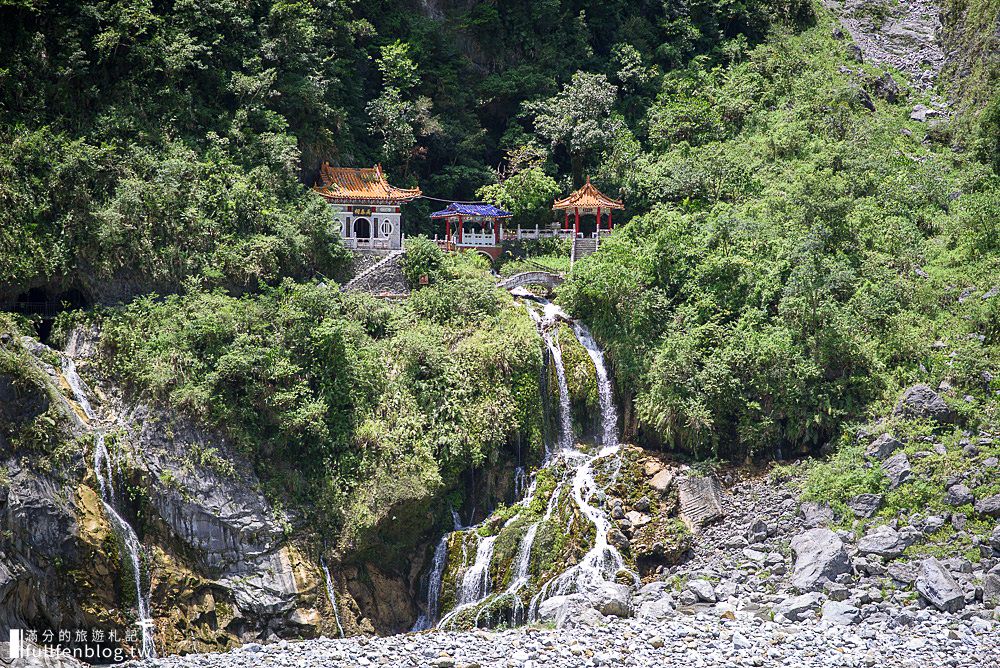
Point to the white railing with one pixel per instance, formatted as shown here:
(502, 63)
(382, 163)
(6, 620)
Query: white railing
(487, 239)
(362, 243)
(536, 233)
(469, 240)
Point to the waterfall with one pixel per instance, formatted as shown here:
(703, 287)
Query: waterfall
(122, 529)
(555, 353)
(605, 391)
(603, 561)
(332, 595)
(428, 619)
(520, 481)
(476, 581)
(475, 585)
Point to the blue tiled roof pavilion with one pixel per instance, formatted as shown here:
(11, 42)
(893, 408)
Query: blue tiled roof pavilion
(479, 210)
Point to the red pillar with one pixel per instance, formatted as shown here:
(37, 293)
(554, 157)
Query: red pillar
(598, 226)
(610, 211)
(447, 233)
(460, 226)
(496, 231)
(576, 225)
(566, 223)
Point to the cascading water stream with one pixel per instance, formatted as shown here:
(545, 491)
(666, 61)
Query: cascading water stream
(475, 585)
(332, 595)
(603, 562)
(520, 481)
(555, 353)
(429, 618)
(124, 531)
(605, 392)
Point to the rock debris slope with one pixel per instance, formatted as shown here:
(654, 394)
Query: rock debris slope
(903, 35)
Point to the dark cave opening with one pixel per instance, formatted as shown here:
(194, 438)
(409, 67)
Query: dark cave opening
(42, 305)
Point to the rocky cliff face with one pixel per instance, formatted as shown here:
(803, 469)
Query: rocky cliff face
(226, 563)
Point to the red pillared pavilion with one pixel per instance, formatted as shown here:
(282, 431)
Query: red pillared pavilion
(588, 200)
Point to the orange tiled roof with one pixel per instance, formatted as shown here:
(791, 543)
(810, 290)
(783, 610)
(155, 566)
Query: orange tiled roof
(360, 183)
(587, 197)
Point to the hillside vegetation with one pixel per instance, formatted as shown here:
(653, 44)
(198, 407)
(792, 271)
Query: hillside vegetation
(808, 251)
(144, 142)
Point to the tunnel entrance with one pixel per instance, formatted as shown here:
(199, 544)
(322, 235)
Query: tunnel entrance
(41, 306)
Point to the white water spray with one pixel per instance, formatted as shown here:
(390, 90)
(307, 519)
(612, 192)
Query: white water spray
(429, 618)
(475, 585)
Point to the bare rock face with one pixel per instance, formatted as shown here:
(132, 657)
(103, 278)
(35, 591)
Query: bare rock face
(815, 514)
(883, 541)
(865, 505)
(989, 506)
(820, 557)
(18, 406)
(796, 607)
(904, 36)
(937, 585)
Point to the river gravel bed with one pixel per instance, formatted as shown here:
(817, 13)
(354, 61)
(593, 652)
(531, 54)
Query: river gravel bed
(688, 641)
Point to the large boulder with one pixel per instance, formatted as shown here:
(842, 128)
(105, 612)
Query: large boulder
(703, 589)
(865, 505)
(897, 468)
(883, 447)
(815, 514)
(991, 588)
(989, 506)
(610, 598)
(883, 541)
(920, 401)
(700, 500)
(796, 607)
(938, 587)
(819, 557)
(568, 612)
(658, 608)
(841, 612)
(959, 495)
(662, 481)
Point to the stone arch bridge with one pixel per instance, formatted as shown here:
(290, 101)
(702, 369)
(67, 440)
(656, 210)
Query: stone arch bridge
(546, 278)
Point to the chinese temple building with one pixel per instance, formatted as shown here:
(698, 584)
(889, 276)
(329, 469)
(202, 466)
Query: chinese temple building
(587, 201)
(477, 227)
(367, 206)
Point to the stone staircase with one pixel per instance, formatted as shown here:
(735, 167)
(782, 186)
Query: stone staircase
(369, 278)
(582, 247)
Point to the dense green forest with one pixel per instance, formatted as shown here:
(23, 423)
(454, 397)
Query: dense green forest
(797, 243)
(203, 119)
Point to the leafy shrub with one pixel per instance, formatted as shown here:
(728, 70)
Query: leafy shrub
(423, 257)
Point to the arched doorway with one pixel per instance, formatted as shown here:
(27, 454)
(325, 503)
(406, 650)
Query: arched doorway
(362, 228)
